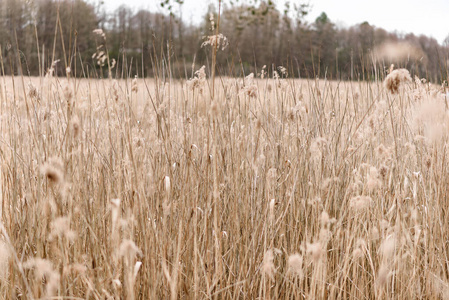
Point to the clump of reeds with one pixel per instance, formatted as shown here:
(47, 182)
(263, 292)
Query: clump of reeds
(394, 80)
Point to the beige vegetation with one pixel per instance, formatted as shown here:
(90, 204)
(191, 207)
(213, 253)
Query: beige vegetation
(275, 188)
(262, 187)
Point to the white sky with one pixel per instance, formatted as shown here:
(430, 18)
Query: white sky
(429, 17)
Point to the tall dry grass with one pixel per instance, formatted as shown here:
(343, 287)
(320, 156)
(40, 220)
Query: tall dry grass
(278, 188)
(260, 187)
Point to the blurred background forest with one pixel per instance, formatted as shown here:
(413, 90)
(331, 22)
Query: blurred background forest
(36, 33)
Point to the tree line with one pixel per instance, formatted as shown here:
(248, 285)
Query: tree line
(42, 36)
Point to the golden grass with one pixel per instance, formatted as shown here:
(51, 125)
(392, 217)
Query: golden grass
(276, 189)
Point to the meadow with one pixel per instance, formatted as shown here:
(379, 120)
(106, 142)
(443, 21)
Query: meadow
(262, 187)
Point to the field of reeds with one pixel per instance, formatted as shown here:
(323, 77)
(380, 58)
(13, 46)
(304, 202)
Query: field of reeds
(214, 187)
(241, 188)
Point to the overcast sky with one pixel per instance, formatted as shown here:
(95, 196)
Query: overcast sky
(429, 17)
